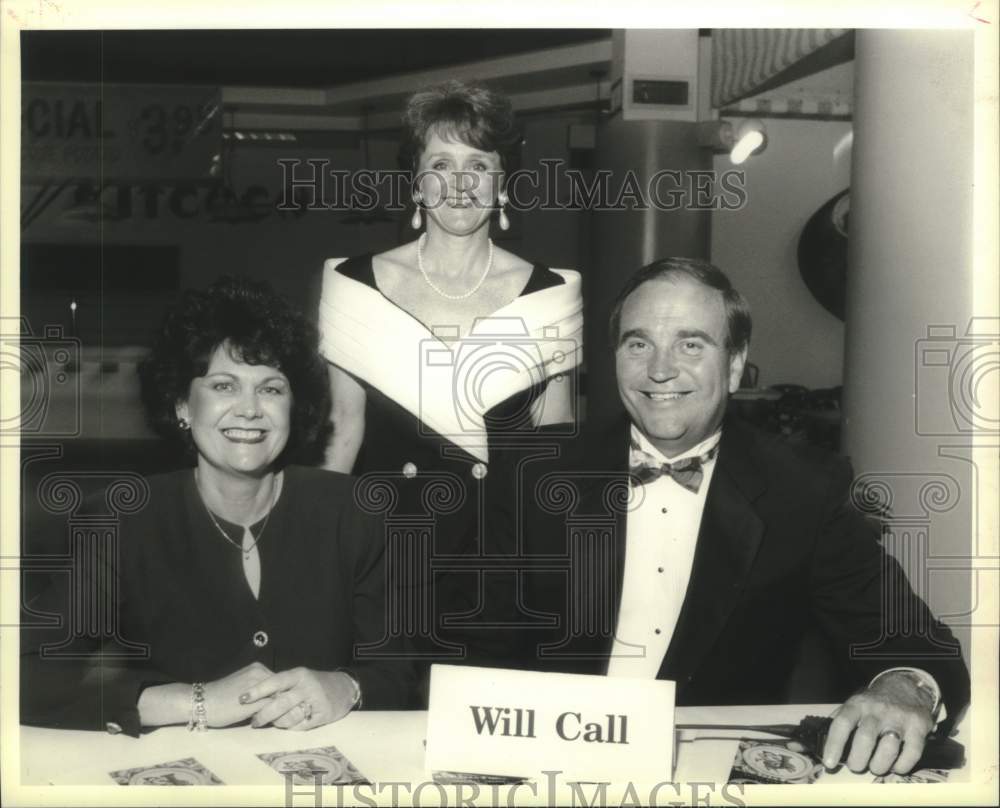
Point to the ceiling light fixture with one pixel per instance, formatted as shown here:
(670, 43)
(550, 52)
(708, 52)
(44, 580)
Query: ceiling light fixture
(739, 140)
(750, 138)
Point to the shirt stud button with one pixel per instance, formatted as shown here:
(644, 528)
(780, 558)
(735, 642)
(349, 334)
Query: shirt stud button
(479, 471)
(260, 638)
(663, 510)
(658, 631)
(659, 569)
(409, 470)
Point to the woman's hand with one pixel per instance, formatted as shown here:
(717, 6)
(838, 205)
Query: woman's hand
(222, 697)
(162, 705)
(301, 698)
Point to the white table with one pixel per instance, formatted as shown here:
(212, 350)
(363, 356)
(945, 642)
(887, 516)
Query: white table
(384, 746)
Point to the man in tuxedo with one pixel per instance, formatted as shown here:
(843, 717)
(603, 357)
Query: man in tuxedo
(701, 550)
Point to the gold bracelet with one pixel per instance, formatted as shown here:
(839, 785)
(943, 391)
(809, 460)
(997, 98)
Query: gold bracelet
(199, 716)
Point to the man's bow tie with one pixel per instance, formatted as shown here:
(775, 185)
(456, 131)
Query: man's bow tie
(688, 472)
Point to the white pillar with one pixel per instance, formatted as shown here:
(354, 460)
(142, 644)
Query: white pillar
(909, 299)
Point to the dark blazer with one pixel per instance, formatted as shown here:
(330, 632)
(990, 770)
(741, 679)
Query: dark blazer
(779, 549)
(167, 601)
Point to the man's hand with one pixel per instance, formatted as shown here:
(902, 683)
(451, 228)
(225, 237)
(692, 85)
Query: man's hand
(890, 720)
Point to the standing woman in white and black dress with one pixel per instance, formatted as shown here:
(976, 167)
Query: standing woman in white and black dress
(427, 375)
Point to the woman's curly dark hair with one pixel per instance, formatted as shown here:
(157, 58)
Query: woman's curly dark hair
(467, 111)
(260, 328)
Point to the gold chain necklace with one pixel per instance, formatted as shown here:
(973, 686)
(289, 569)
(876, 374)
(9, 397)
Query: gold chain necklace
(245, 550)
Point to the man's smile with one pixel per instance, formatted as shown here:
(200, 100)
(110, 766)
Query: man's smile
(662, 396)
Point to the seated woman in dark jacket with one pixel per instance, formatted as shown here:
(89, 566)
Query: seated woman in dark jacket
(242, 589)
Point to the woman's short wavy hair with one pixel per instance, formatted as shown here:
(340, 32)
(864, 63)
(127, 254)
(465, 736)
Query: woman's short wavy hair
(466, 111)
(259, 328)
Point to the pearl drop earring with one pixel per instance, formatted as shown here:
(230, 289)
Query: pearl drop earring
(417, 221)
(503, 221)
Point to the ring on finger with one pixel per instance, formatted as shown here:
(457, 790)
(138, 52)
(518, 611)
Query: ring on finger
(307, 710)
(891, 733)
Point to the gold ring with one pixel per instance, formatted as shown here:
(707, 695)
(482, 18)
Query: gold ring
(307, 710)
(893, 733)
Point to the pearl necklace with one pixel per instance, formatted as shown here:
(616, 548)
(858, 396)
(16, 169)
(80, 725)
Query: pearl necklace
(245, 550)
(430, 283)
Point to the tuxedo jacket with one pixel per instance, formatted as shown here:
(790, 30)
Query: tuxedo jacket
(779, 549)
